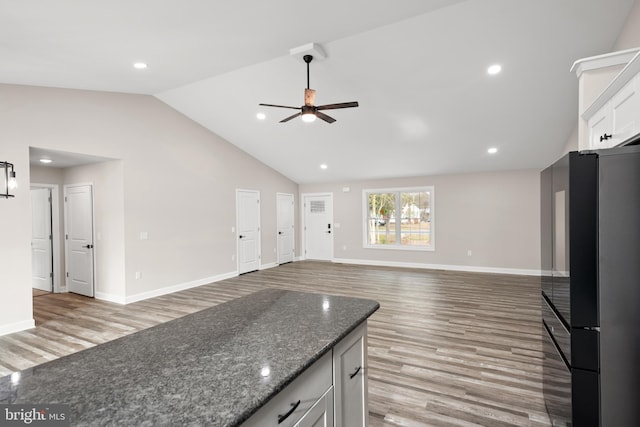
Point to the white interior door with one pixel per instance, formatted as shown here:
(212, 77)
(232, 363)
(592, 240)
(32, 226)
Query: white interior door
(286, 214)
(41, 236)
(78, 215)
(248, 226)
(318, 226)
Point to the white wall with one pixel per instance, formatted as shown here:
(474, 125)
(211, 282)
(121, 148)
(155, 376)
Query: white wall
(173, 179)
(15, 240)
(109, 215)
(495, 215)
(630, 35)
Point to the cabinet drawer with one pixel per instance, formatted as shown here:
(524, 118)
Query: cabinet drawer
(310, 386)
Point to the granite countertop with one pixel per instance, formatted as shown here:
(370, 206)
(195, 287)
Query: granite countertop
(204, 368)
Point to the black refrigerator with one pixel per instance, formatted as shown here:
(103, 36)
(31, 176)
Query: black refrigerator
(590, 241)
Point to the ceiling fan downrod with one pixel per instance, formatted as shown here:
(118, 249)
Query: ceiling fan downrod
(308, 59)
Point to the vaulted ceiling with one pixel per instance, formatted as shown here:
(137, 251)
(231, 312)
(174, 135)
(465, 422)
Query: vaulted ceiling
(418, 68)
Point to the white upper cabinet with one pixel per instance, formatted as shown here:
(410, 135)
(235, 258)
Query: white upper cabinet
(611, 116)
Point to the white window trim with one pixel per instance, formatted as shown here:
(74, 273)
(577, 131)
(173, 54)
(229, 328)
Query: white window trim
(397, 246)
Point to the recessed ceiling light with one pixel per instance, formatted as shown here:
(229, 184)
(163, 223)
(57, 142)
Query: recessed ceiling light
(492, 150)
(261, 116)
(139, 65)
(494, 69)
(323, 166)
(46, 160)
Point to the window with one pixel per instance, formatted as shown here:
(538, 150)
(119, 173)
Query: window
(399, 218)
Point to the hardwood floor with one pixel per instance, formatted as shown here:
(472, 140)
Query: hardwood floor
(445, 348)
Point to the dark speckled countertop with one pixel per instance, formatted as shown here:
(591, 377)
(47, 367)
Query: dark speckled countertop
(202, 369)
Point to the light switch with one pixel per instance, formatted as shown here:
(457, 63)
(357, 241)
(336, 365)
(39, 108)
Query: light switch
(144, 235)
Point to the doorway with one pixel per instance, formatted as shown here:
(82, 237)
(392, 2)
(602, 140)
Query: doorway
(286, 222)
(46, 274)
(78, 224)
(248, 230)
(41, 240)
(318, 226)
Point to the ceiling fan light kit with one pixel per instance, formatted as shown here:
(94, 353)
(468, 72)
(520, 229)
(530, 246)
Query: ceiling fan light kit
(309, 112)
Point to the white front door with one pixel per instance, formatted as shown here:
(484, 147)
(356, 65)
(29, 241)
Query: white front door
(318, 226)
(285, 213)
(41, 249)
(248, 225)
(78, 216)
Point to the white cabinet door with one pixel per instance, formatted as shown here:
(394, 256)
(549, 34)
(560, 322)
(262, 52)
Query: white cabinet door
(625, 112)
(320, 414)
(601, 129)
(350, 379)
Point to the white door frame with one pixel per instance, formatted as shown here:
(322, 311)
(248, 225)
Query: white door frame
(238, 190)
(93, 234)
(293, 231)
(59, 284)
(303, 197)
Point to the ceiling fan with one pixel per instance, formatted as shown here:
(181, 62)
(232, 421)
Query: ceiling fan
(308, 112)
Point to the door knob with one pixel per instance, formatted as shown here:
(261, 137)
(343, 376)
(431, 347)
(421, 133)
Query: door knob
(279, 232)
(88, 246)
(240, 236)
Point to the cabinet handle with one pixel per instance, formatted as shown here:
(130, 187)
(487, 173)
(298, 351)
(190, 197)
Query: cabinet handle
(294, 406)
(355, 373)
(605, 137)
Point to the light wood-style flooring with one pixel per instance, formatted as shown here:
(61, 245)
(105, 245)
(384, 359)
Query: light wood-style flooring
(445, 348)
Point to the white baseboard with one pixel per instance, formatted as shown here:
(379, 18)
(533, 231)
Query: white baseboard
(180, 287)
(268, 266)
(118, 299)
(17, 327)
(467, 268)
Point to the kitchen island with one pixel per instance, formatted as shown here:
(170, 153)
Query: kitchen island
(215, 367)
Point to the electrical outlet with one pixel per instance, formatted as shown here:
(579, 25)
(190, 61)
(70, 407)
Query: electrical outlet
(344, 247)
(144, 235)
(233, 257)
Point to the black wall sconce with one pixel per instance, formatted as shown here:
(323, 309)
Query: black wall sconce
(10, 182)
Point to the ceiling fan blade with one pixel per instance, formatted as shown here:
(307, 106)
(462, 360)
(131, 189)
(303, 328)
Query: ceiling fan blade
(279, 106)
(324, 117)
(309, 96)
(290, 117)
(336, 106)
